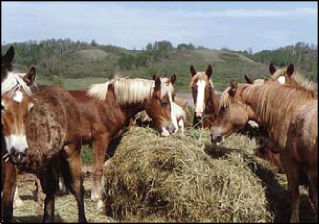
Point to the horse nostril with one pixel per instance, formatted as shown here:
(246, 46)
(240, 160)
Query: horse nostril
(219, 138)
(20, 157)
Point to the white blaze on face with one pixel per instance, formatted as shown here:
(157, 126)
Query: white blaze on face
(17, 142)
(18, 96)
(282, 79)
(200, 105)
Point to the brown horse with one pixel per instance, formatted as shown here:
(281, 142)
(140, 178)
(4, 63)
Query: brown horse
(8, 170)
(267, 150)
(107, 108)
(180, 112)
(205, 99)
(39, 130)
(290, 115)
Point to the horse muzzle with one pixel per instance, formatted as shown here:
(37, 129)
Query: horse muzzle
(17, 157)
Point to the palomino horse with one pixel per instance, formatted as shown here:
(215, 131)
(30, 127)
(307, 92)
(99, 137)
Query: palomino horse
(8, 170)
(290, 115)
(41, 129)
(205, 99)
(107, 108)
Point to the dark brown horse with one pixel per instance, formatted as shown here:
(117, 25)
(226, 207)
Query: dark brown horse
(8, 170)
(41, 130)
(108, 107)
(290, 115)
(205, 99)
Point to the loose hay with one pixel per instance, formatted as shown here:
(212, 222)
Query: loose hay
(173, 179)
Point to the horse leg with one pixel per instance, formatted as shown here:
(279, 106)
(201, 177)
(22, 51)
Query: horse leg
(39, 196)
(181, 124)
(313, 191)
(74, 179)
(7, 193)
(49, 183)
(292, 172)
(100, 146)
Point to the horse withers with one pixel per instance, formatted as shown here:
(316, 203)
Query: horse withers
(40, 130)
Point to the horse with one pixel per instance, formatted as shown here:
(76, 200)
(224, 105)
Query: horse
(107, 108)
(290, 114)
(40, 130)
(180, 116)
(8, 170)
(205, 99)
(289, 76)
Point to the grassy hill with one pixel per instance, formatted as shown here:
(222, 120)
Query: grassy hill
(77, 65)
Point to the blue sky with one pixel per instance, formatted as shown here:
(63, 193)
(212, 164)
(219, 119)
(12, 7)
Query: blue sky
(237, 25)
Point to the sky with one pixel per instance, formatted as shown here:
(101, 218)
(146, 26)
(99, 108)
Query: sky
(236, 25)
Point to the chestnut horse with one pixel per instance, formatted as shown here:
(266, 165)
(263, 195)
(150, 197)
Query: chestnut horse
(8, 170)
(107, 108)
(180, 116)
(205, 99)
(290, 115)
(41, 130)
(289, 76)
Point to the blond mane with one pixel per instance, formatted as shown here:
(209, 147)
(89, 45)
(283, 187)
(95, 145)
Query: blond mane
(128, 91)
(14, 82)
(224, 99)
(274, 96)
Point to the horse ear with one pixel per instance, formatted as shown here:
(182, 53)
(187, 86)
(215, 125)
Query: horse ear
(29, 78)
(233, 87)
(248, 80)
(272, 68)
(157, 83)
(290, 69)
(8, 57)
(209, 71)
(173, 79)
(192, 70)
(155, 77)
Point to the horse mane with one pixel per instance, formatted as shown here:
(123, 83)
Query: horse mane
(273, 95)
(200, 76)
(99, 91)
(299, 79)
(224, 99)
(13, 82)
(128, 91)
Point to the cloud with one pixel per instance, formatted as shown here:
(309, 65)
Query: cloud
(133, 26)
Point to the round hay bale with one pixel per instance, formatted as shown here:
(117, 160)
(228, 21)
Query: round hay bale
(151, 178)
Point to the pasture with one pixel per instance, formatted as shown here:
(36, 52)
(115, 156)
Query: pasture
(255, 194)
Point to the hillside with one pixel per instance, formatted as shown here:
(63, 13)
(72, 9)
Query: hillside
(76, 65)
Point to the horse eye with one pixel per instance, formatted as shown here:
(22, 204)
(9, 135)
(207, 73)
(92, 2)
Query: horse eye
(164, 104)
(31, 106)
(2, 108)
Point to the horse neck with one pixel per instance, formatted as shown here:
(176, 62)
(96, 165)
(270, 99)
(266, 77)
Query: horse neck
(268, 110)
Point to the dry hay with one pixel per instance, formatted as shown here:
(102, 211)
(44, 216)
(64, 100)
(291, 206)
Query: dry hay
(184, 179)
